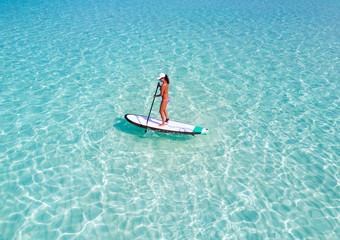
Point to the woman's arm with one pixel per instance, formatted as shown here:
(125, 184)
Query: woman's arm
(161, 94)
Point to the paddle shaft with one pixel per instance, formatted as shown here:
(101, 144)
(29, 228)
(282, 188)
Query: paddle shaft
(151, 108)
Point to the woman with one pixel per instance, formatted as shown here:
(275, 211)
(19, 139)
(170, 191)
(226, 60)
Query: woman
(165, 98)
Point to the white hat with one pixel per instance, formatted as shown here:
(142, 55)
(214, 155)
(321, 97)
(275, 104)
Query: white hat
(161, 75)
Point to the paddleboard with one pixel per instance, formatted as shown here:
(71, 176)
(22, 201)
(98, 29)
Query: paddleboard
(170, 127)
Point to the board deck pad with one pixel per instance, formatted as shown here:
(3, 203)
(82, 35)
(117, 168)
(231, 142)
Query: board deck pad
(170, 127)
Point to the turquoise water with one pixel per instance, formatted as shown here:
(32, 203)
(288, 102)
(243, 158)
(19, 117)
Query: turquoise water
(263, 76)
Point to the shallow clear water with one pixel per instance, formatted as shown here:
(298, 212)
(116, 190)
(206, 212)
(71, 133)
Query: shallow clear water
(263, 76)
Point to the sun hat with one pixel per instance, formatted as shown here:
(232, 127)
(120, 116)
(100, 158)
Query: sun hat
(161, 75)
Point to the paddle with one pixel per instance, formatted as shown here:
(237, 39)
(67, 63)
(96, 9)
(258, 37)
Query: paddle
(151, 108)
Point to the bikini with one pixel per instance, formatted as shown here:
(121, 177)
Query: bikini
(166, 99)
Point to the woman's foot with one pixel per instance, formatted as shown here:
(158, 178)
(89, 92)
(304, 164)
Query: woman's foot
(161, 125)
(167, 120)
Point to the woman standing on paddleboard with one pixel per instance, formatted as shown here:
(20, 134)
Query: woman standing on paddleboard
(165, 97)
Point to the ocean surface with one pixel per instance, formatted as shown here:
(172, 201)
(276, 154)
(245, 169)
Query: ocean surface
(263, 76)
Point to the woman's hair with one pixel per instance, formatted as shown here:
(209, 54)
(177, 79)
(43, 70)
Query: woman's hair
(167, 79)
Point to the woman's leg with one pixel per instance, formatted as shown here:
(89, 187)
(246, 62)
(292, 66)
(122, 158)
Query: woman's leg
(166, 113)
(163, 112)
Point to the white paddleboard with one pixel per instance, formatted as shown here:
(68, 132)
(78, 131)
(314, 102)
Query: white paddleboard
(170, 127)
